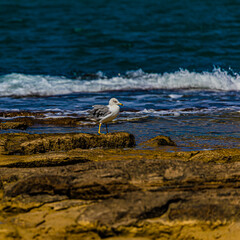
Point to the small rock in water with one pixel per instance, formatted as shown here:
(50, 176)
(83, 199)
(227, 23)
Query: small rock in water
(160, 141)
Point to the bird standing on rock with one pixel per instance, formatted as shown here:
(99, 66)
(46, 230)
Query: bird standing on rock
(105, 114)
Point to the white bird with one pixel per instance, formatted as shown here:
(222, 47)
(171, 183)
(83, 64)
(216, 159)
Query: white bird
(105, 114)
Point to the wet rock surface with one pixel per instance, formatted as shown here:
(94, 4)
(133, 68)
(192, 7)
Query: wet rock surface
(25, 119)
(159, 141)
(13, 125)
(115, 193)
(41, 143)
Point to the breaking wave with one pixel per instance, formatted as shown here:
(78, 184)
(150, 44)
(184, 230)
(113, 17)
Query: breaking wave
(20, 85)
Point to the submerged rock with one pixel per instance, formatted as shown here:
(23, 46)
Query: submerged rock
(13, 125)
(9, 114)
(41, 118)
(40, 143)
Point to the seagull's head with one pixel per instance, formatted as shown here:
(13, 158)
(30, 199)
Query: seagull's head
(114, 101)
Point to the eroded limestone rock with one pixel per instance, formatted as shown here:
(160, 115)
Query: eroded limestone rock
(115, 193)
(149, 198)
(40, 143)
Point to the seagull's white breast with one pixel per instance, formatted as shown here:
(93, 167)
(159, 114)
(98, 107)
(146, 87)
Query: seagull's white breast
(114, 109)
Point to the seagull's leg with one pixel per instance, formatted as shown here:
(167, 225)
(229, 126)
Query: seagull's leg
(106, 128)
(99, 132)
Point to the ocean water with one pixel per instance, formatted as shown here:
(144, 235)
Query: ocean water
(174, 64)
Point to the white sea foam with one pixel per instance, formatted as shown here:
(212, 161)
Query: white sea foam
(26, 85)
(174, 96)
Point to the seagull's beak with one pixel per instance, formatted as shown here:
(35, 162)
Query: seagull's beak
(120, 104)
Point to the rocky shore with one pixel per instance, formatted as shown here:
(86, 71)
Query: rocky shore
(86, 186)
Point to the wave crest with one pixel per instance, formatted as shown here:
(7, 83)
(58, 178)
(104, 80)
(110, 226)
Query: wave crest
(17, 84)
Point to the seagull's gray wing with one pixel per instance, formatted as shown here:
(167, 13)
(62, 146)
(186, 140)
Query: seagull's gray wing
(99, 111)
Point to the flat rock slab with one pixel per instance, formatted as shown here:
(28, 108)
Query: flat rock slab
(146, 198)
(25, 144)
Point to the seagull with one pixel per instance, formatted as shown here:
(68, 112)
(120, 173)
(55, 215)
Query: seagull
(105, 114)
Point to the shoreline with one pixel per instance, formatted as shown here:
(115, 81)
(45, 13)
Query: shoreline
(190, 133)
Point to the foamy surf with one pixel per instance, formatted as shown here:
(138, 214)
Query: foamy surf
(21, 85)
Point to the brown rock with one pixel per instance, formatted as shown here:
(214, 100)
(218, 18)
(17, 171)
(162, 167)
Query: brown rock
(128, 198)
(9, 114)
(218, 155)
(13, 125)
(159, 141)
(41, 143)
(89, 188)
(41, 184)
(117, 193)
(35, 118)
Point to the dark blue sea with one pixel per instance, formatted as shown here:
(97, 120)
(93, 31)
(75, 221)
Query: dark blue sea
(175, 65)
